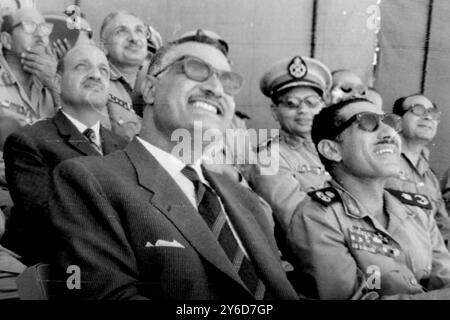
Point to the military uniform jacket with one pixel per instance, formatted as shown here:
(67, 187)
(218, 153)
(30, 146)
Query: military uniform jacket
(300, 171)
(336, 247)
(421, 179)
(121, 119)
(15, 103)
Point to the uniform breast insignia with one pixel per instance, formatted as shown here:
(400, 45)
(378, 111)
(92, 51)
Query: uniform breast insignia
(413, 199)
(325, 196)
(372, 241)
(120, 102)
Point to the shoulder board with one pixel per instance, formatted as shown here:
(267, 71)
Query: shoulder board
(325, 196)
(412, 199)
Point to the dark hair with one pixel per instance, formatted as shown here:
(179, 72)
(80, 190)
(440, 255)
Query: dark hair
(202, 37)
(399, 108)
(7, 23)
(326, 123)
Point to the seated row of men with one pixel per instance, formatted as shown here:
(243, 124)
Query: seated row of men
(142, 222)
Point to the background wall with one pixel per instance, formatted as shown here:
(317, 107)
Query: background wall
(413, 42)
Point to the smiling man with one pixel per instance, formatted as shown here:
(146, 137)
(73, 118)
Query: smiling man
(124, 39)
(355, 238)
(32, 152)
(143, 224)
(420, 120)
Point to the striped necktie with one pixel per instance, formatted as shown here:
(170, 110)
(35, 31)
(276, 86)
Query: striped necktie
(211, 211)
(90, 135)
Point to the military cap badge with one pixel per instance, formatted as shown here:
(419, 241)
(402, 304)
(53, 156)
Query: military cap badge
(297, 68)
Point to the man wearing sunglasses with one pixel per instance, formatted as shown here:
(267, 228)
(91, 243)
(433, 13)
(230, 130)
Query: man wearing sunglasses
(297, 87)
(124, 38)
(346, 85)
(420, 119)
(27, 67)
(151, 223)
(355, 237)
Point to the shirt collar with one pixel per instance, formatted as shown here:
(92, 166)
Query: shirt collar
(170, 163)
(115, 74)
(81, 127)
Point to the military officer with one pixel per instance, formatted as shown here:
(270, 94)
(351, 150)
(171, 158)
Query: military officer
(297, 87)
(124, 38)
(354, 235)
(420, 119)
(27, 68)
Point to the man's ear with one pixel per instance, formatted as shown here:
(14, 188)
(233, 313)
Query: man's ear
(274, 110)
(6, 40)
(57, 82)
(330, 150)
(148, 89)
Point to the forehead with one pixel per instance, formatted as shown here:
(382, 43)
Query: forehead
(124, 19)
(299, 92)
(418, 100)
(205, 52)
(354, 108)
(28, 15)
(86, 53)
(346, 77)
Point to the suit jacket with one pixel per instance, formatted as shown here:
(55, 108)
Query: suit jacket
(31, 153)
(118, 210)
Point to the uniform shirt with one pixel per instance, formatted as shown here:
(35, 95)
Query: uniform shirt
(300, 171)
(15, 103)
(336, 247)
(421, 179)
(121, 117)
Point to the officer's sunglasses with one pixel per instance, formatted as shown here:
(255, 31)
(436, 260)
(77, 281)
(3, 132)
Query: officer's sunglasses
(370, 122)
(312, 102)
(30, 27)
(421, 111)
(200, 71)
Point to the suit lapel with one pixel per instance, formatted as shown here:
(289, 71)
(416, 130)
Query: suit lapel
(171, 201)
(72, 136)
(110, 142)
(263, 252)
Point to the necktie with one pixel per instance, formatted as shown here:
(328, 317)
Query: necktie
(90, 135)
(211, 211)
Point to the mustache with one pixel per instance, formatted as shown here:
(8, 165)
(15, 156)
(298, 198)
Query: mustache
(389, 140)
(90, 81)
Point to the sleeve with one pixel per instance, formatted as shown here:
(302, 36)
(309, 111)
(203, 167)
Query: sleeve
(90, 237)
(318, 251)
(28, 178)
(440, 271)
(282, 191)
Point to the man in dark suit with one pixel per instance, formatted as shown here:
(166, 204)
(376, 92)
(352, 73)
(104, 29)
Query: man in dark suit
(150, 222)
(32, 152)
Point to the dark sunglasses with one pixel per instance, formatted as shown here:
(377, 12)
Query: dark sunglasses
(200, 71)
(312, 102)
(370, 122)
(420, 110)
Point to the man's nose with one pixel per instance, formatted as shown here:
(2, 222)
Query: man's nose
(214, 86)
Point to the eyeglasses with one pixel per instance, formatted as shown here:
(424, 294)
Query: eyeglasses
(312, 102)
(421, 111)
(200, 71)
(141, 31)
(370, 122)
(30, 27)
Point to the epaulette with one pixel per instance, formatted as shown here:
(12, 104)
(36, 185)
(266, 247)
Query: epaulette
(120, 102)
(412, 199)
(325, 196)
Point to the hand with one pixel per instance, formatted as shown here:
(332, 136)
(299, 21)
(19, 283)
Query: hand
(41, 62)
(60, 48)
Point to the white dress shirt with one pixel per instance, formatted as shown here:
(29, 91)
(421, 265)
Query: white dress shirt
(174, 166)
(82, 127)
